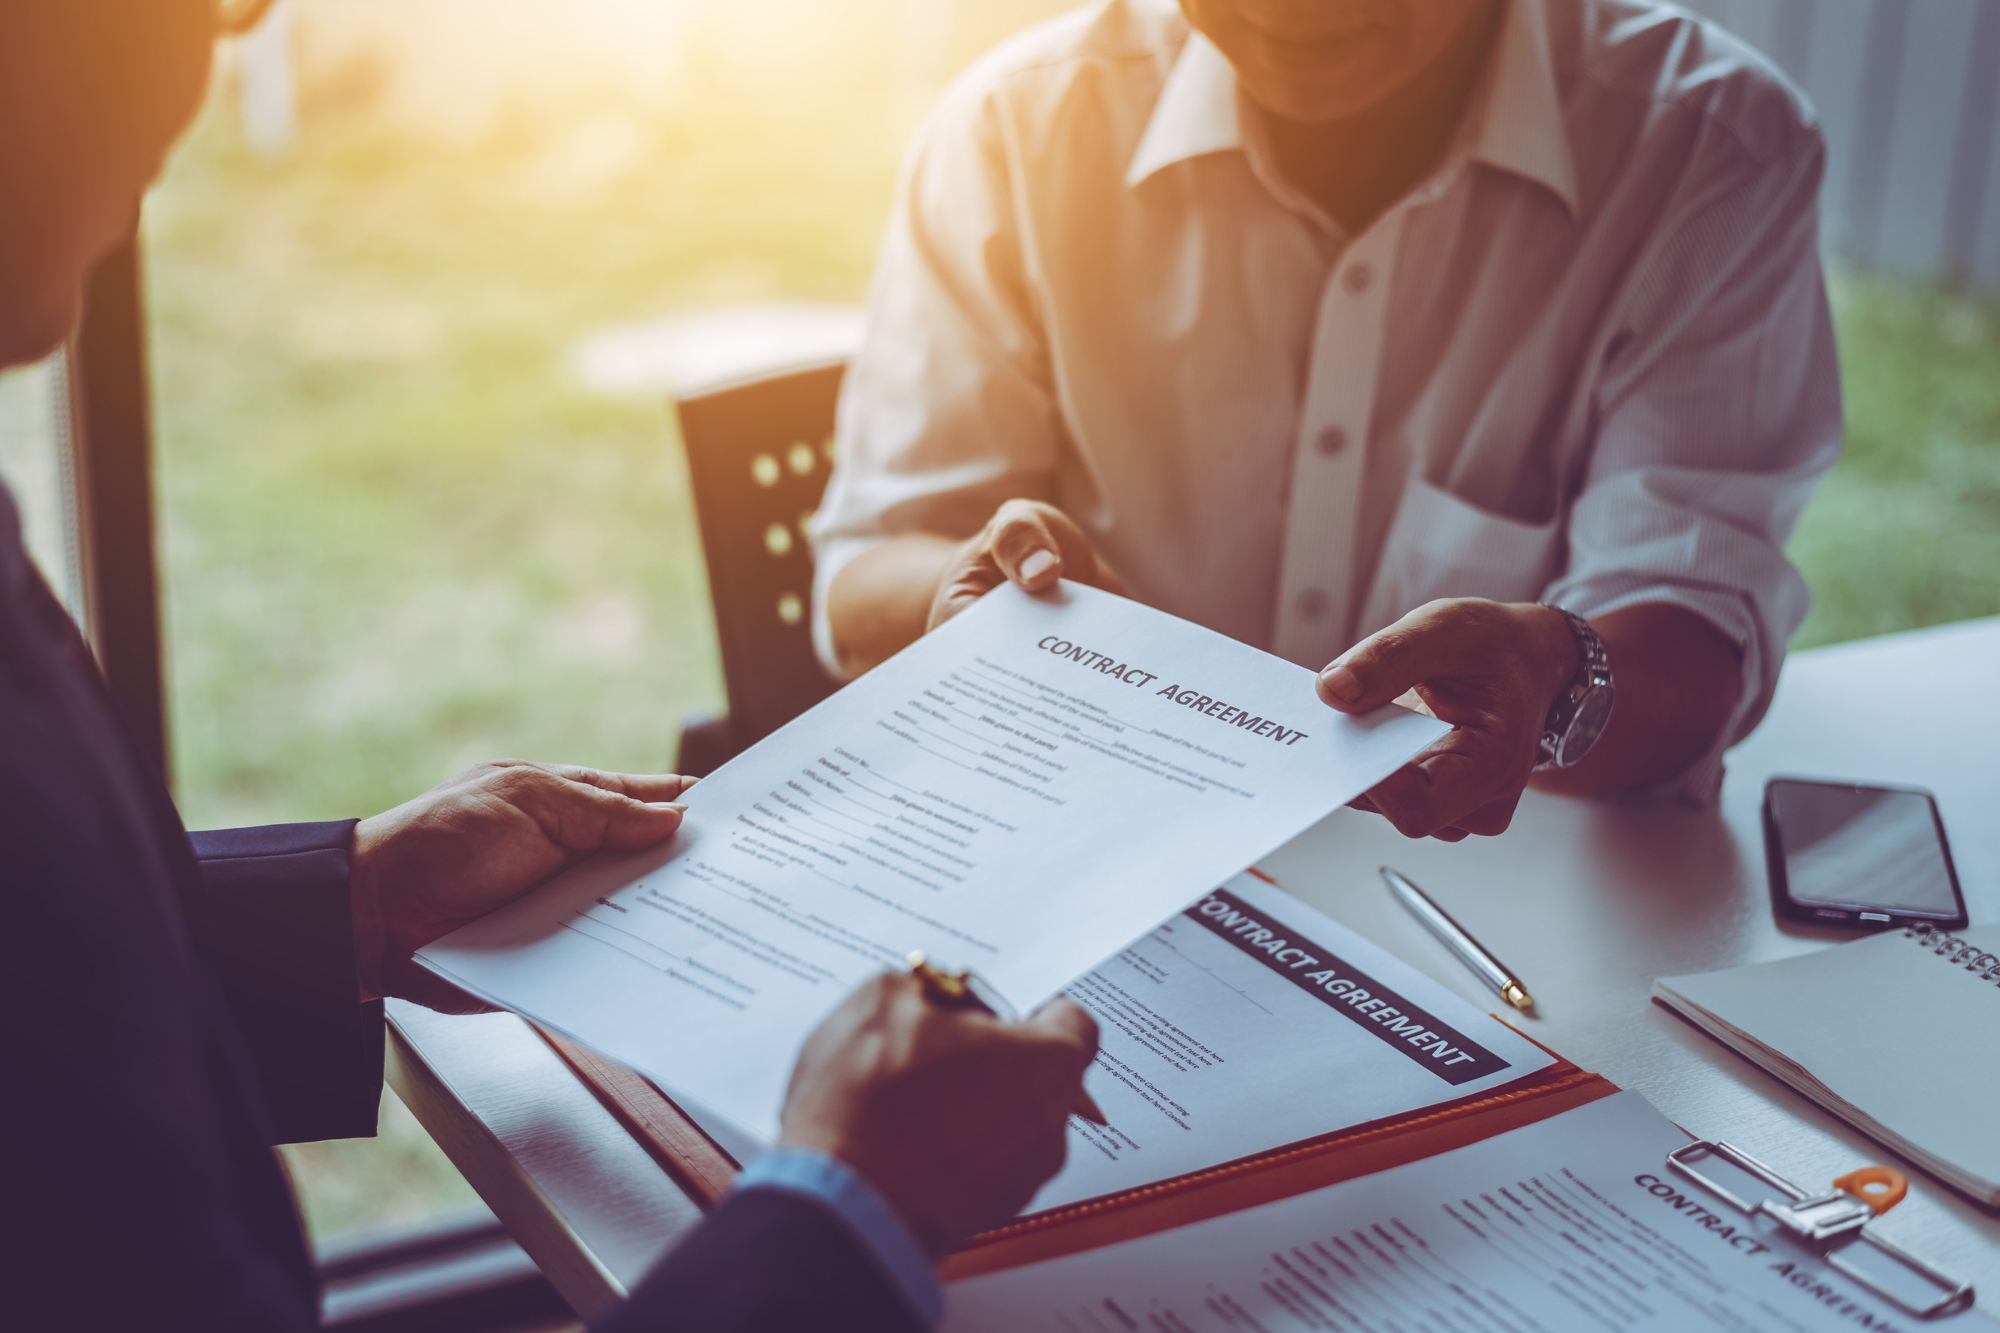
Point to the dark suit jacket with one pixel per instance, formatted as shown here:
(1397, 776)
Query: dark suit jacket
(175, 1005)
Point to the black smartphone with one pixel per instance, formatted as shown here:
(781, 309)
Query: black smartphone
(1848, 853)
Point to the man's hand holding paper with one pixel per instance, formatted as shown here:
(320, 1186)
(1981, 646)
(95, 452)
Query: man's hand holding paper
(957, 799)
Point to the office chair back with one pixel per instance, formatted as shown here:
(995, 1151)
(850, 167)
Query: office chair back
(758, 453)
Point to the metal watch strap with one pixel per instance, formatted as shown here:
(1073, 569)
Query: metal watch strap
(1592, 671)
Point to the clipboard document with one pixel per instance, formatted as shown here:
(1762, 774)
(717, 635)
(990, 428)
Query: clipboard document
(1571, 1223)
(1023, 791)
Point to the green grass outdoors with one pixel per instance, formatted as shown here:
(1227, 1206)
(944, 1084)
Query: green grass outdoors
(398, 537)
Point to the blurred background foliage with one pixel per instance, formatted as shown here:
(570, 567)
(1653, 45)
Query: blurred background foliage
(400, 534)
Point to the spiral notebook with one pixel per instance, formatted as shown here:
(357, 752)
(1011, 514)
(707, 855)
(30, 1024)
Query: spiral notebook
(1898, 1034)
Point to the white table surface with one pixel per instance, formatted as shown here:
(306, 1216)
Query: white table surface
(1589, 901)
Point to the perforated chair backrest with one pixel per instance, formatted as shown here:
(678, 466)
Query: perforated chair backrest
(758, 452)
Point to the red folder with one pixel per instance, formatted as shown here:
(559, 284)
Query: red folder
(706, 1171)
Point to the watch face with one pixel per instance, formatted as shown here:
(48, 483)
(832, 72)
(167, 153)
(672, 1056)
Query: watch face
(1588, 724)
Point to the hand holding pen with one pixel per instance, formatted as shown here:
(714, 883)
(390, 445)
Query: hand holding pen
(968, 990)
(953, 1115)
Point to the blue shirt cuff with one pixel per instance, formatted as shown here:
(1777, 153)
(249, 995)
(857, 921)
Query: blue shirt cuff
(819, 1176)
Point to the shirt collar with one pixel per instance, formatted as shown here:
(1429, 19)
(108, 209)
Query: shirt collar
(1196, 114)
(1515, 123)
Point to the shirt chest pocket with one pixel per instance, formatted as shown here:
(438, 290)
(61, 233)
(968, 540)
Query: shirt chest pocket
(1441, 546)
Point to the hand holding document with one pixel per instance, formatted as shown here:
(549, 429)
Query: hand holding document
(1024, 791)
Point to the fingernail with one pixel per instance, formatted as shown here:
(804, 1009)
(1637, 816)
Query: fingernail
(674, 806)
(1036, 565)
(1341, 683)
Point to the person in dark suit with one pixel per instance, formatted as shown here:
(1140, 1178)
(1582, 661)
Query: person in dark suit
(178, 1003)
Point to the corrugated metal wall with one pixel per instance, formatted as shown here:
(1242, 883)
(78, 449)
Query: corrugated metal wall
(1909, 93)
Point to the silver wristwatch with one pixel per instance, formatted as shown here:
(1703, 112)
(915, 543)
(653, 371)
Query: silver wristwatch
(1577, 717)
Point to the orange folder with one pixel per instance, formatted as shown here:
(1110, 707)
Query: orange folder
(706, 1171)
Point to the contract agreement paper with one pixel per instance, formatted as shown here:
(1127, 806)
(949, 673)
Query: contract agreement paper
(1251, 1021)
(1024, 791)
(1572, 1225)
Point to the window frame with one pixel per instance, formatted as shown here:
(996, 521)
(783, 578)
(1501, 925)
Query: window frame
(107, 448)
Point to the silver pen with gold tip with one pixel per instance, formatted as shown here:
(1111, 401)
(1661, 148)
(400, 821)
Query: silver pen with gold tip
(1470, 951)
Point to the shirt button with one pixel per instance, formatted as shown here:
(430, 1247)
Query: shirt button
(1312, 603)
(1330, 441)
(1357, 278)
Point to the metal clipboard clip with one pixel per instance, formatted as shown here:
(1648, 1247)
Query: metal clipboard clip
(1828, 1224)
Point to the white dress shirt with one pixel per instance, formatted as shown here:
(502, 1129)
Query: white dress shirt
(1586, 360)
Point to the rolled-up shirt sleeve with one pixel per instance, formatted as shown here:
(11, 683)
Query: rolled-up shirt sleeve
(1719, 411)
(947, 409)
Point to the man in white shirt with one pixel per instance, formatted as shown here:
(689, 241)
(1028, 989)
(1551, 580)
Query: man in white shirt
(1369, 332)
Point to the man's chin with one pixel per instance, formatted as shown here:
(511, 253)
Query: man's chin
(1316, 101)
(1315, 82)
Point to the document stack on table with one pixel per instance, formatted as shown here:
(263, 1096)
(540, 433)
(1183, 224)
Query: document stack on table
(1303, 1132)
(1405, 1163)
(1573, 1222)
